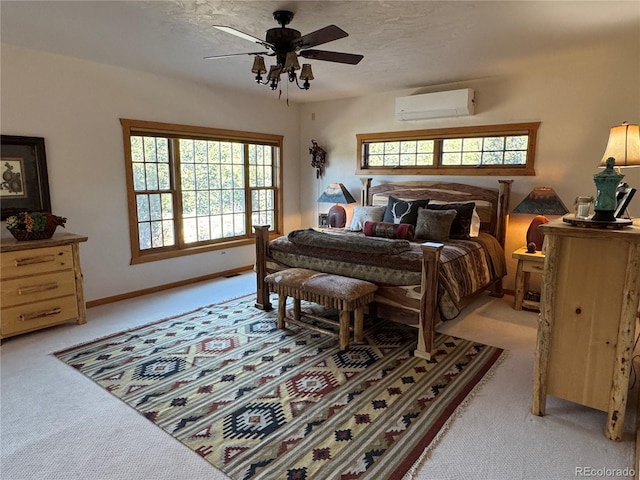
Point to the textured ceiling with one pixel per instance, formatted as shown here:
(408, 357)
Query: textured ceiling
(406, 44)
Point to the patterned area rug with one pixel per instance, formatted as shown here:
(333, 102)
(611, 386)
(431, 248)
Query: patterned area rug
(258, 402)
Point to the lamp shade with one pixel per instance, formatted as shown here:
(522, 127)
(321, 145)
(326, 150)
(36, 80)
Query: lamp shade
(307, 73)
(291, 62)
(274, 72)
(623, 146)
(258, 65)
(336, 193)
(542, 201)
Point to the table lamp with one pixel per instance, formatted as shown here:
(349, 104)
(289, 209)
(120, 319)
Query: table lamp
(540, 201)
(623, 150)
(336, 193)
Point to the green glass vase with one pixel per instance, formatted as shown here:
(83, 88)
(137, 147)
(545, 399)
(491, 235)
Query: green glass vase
(606, 182)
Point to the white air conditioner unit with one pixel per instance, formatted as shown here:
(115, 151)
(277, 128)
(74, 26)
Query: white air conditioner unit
(454, 103)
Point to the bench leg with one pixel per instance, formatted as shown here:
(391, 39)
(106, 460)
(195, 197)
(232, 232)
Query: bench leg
(358, 325)
(282, 310)
(345, 329)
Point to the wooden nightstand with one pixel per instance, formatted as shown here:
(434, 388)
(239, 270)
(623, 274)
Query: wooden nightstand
(527, 263)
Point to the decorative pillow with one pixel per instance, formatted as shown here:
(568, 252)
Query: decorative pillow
(403, 211)
(362, 214)
(434, 225)
(404, 231)
(461, 226)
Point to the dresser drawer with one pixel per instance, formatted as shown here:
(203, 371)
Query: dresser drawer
(39, 260)
(25, 318)
(18, 291)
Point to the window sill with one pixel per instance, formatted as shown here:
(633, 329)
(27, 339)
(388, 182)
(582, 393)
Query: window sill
(483, 171)
(167, 254)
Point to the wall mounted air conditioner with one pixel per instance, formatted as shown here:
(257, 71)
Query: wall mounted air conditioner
(454, 103)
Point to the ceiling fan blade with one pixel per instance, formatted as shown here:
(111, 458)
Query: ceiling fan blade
(240, 34)
(339, 57)
(236, 54)
(324, 35)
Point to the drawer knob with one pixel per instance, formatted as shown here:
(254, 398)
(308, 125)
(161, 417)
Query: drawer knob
(42, 313)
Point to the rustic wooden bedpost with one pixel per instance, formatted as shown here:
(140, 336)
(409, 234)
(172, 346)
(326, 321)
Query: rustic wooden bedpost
(428, 298)
(502, 210)
(504, 191)
(364, 190)
(263, 300)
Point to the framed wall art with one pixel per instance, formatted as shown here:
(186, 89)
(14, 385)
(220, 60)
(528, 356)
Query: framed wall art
(25, 183)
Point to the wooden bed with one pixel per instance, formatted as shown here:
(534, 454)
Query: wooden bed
(414, 305)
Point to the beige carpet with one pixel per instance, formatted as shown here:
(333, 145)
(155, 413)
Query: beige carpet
(56, 425)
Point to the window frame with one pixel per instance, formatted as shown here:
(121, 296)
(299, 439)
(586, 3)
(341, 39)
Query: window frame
(174, 131)
(440, 134)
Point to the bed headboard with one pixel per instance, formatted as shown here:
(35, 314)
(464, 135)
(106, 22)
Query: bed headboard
(492, 205)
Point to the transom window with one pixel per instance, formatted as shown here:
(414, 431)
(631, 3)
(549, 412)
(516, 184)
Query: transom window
(484, 150)
(195, 189)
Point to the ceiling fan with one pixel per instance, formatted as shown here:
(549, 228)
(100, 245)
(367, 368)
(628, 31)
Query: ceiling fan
(287, 44)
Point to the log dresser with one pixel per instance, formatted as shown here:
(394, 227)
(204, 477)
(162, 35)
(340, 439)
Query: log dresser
(41, 283)
(588, 310)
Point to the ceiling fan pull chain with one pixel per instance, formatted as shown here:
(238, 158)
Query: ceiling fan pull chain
(287, 94)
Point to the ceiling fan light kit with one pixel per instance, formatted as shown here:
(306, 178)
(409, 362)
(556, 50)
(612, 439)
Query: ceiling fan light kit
(287, 44)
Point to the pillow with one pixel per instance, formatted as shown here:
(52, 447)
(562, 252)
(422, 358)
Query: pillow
(461, 226)
(362, 214)
(403, 211)
(404, 231)
(434, 225)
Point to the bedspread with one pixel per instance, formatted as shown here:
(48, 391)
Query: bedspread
(467, 266)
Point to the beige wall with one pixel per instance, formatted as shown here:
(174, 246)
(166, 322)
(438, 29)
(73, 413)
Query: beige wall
(76, 105)
(576, 96)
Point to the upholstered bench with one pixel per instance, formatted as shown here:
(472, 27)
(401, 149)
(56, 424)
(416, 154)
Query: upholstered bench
(334, 291)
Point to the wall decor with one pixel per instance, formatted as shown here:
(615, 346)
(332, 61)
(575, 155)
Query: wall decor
(318, 158)
(25, 182)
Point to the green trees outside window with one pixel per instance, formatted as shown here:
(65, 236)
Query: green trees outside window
(193, 189)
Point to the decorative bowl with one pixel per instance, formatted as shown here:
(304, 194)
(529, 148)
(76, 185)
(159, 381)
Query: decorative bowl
(34, 225)
(25, 235)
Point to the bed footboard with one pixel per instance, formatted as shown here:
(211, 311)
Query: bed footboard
(428, 306)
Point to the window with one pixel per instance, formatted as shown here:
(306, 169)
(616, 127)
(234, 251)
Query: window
(194, 189)
(483, 150)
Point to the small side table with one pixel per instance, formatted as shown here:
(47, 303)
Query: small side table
(527, 263)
